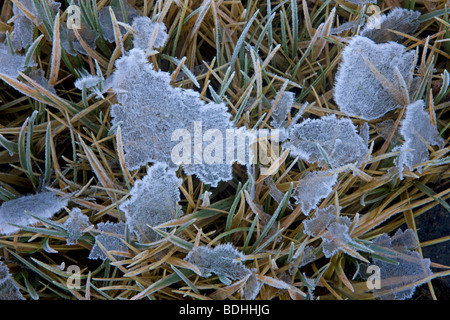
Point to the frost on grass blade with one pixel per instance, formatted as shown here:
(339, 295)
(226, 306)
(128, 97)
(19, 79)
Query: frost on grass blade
(336, 137)
(149, 35)
(44, 205)
(367, 82)
(8, 288)
(38, 76)
(106, 22)
(72, 45)
(411, 266)
(153, 201)
(10, 64)
(313, 187)
(110, 238)
(75, 225)
(418, 131)
(282, 109)
(219, 261)
(156, 116)
(398, 19)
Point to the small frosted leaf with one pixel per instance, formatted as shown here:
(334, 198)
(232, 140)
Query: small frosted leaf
(320, 221)
(333, 239)
(161, 123)
(10, 64)
(145, 31)
(38, 76)
(363, 92)
(110, 238)
(337, 137)
(282, 109)
(364, 132)
(313, 187)
(411, 266)
(72, 45)
(75, 225)
(398, 19)
(106, 22)
(8, 288)
(44, 205)
(23, 33)
(219, 261)
(418, 131)
(153, 201)
(252, 286)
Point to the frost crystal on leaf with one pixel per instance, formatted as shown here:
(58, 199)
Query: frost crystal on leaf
(156, 116)
(110, 236)
(23, 32)
(335, 237)
(367, 82)
(321, 220)
(398, 19)
(418, 131)
(10, 64)
(411, 266)
(149, 35)
(219, 261)
(313, 187)
(8, 288)
(44, 205)
(75, 225)
(153, 201)
(282, 109)
(336, 137)
(252, 286)
(106, 22)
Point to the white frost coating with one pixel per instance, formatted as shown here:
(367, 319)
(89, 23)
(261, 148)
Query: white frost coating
(111, 241)
(219, 261)
(320, 221)
(75, 225)
(360, 90)
(335, 236)
(337, 137)
(411, 266)
(10, 64)
(106, 22)
(44, 205)
(398, 19)
(418, 131)
(145, 31)
(313, 187)
(23, 32)
(152, 111)
(8, 288)
(361, 2)
(282, 109)
(153, 201)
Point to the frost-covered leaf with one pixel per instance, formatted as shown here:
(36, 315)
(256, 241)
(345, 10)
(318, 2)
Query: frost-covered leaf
(44, 205)
(153, 201)
(321, 220)
(10, 64)
(252, 286)
(398, 19)
(313, 187)
(219, 261)
(110, 238)
(418, 131)
(411, 266)
(337, 137)
(23, 32)
(367, 83)
(8, 288)
(156, 116)
(282, 109)
(38, 76)
(106, 22)
(75, 225)
(364, 132)
(72, 45)
(149, 35)
(335, 238)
